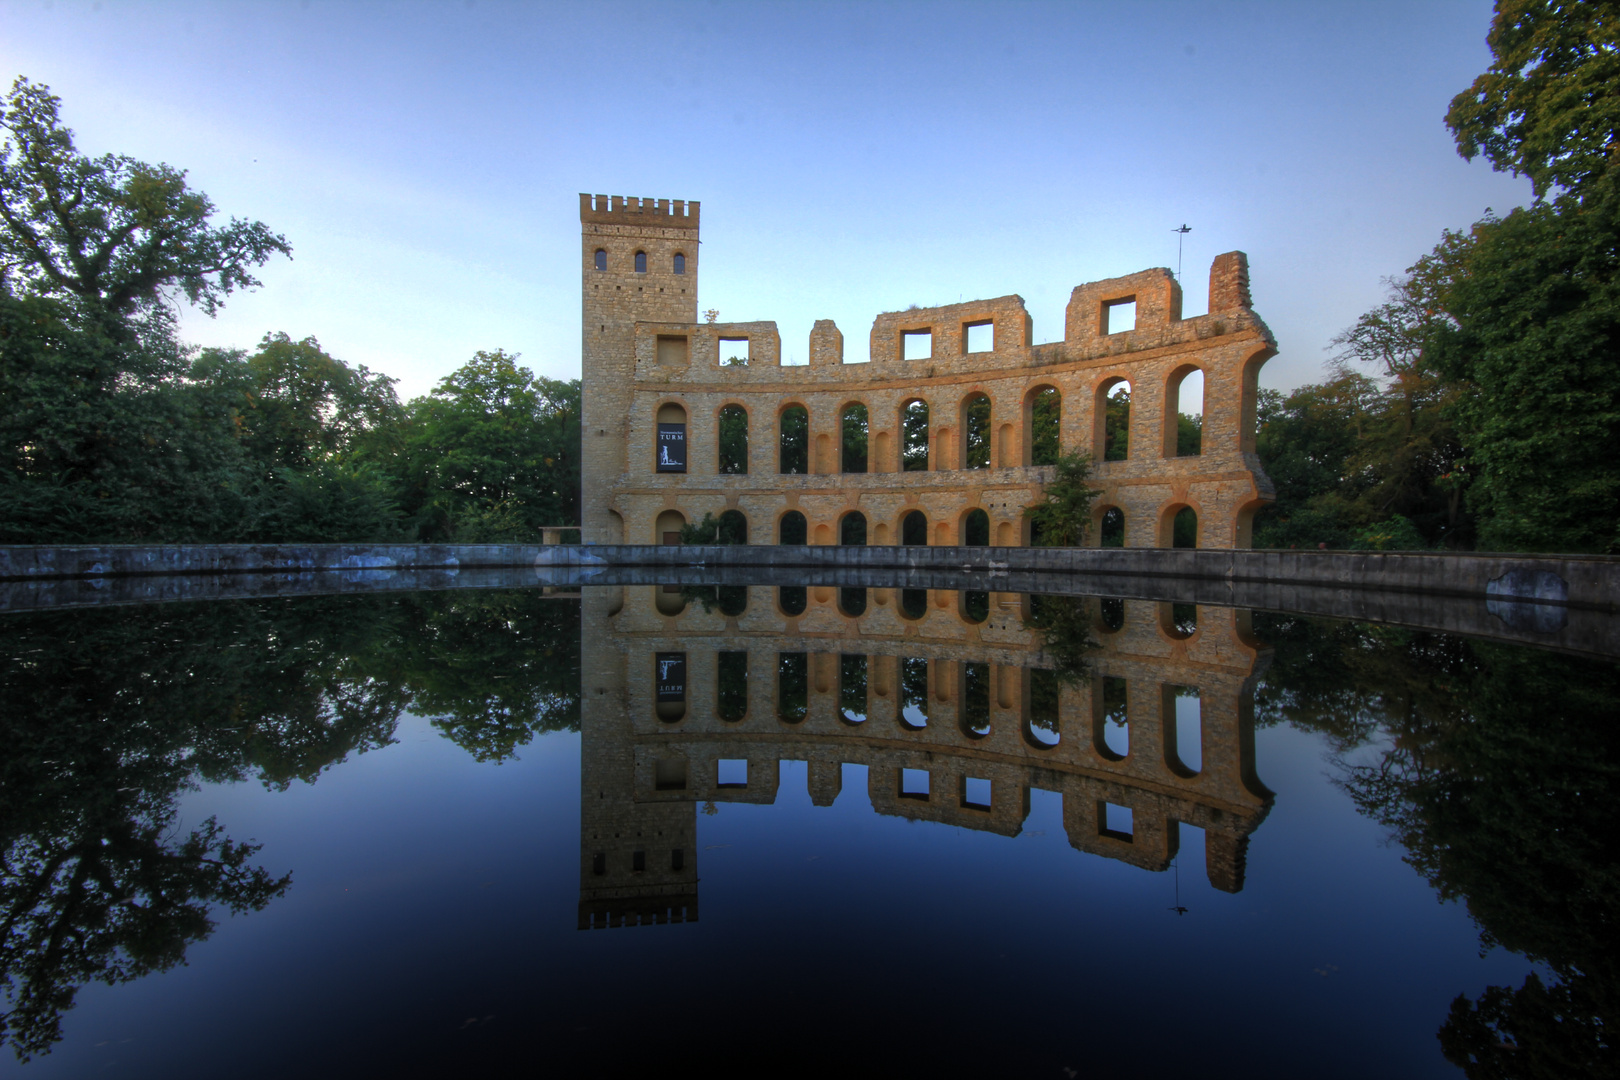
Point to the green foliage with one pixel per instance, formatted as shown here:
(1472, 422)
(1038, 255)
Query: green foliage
(913, 437)
(1064, 519)
(1189, 434)
(733, 440)
(1117, 425)
(729, 528)
(1046, 427)
(111, 234)
(795, 441)
(1064, 624)
(1548, 108)
(854, 428)
(976, 433)
(1396, 534)
(1532, 347)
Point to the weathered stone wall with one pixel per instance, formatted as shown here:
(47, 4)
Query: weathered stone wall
(640, 358)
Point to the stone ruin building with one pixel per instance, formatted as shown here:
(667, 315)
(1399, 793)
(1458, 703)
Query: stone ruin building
(945, 697)
(944, 436)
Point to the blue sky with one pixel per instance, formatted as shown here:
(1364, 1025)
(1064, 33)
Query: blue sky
(425, 160)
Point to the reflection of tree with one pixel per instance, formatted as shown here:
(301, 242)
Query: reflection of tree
(109, 715)
(1498, 776)
(1064, 625)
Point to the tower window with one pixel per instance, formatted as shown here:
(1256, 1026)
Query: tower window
(601, 259)
(641, 262)
(680, 263)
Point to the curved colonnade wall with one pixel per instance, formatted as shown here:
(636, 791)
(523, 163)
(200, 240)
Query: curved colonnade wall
(656, 379)
(658, 733)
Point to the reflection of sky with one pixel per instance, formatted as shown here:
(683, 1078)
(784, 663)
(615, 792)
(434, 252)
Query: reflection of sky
(424, 160)
(431, 892)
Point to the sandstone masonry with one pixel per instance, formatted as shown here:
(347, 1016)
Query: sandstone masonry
(648, 361)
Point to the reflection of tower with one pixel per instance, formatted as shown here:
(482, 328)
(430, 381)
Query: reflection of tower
(639, 261)
(638, 861)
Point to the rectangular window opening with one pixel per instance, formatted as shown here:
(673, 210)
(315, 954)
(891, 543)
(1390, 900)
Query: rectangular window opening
(917, 344)
(731, 773)
(1114, 821)
(975, 793)
(914, 784)
(599, 863)
(733, 352)
(1119, 316)
(677, 859)
(979, 337)
(638, 861)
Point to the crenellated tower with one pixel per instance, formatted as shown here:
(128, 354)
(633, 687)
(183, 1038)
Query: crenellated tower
(638, 263)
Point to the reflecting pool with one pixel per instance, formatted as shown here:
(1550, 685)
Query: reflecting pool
(821, 829)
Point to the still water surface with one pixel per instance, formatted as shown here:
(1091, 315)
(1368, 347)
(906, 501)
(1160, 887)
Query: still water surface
(637, 829)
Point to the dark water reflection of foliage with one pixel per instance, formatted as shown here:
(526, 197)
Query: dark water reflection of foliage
(111, 715)
(1498, 770)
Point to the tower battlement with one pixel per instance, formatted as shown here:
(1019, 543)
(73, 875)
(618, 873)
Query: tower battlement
(629, 210)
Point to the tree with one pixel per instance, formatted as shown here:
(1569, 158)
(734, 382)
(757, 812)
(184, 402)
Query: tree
(1064, 519)
(1549, 107)
(111, 234)
(491, 454)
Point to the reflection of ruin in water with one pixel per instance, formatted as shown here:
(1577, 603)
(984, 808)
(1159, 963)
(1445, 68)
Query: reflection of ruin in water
(955, 717)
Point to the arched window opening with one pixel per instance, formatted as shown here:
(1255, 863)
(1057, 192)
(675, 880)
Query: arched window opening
(913, 693)
(1042, 717)
(730, 600)
(792, 529)
(1111, 612)
(852, 687)
(792, 686)
(976, 528)
(1112, 532)
(733, 528)
(733, 441)
(667, 528)
(913, 603)
(1186, 389)
(976, 432)
(852, 601)
(601, 259)
(731, 686)
(680, 263)
(914, 436)
(855, 430)
(1045, 426)
(670, 453)
(1184, 528)
(1114, 411)
(974, 605)
(975, 700)
(852, 529)
(914, 529)
(669, 686)
(1112, 736)
(641, 262)
(792, 599)
(1183, 730)
(795, 440)
(1178, 620)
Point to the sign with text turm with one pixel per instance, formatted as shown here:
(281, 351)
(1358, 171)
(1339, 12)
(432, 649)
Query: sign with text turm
(671, 675)
(671, 447)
